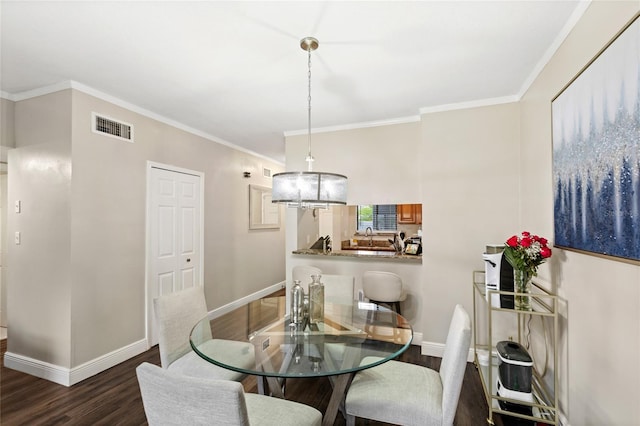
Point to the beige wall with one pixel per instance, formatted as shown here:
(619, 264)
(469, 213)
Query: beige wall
(7, 113)
(38, 279)
(381, 159)
(3, 249)
(470, 199)
(101, 232)
(600, 381)
(7, 141)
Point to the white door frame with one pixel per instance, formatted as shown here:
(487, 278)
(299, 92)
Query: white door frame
(147, 276)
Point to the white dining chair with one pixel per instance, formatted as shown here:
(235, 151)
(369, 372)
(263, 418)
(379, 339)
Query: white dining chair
(176, 314)
(171, 399)
(408, 394)
(382, 287)
(338, 288)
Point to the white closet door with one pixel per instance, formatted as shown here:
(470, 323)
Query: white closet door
(175, 235)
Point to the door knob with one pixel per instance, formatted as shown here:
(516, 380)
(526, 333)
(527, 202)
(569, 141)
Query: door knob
(188, 260)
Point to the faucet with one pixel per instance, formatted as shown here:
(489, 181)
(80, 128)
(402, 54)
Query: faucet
(369, 233)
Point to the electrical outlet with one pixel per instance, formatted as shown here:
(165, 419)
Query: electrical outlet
(17, 238)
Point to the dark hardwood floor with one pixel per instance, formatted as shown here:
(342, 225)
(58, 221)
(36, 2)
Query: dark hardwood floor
(113, 397)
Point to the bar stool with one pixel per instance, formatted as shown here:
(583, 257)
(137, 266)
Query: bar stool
(384, 288)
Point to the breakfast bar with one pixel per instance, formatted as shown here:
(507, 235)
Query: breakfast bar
(362, 254)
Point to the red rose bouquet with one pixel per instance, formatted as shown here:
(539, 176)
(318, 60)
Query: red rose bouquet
(527, 252)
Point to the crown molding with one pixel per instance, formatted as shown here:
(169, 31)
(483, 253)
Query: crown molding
(40, 91)
(70, 84)
(470, 104)
(5, 95)
(355, 126)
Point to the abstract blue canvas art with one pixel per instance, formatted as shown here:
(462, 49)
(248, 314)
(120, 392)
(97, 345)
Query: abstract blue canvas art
(596, 153)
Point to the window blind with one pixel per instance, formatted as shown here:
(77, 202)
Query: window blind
(384, 217)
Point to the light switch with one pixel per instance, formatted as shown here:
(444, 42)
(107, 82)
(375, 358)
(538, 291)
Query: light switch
(18, 204)
(17, 238)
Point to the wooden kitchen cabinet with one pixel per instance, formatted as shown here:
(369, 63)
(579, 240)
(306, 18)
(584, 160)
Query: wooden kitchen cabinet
(409, 213)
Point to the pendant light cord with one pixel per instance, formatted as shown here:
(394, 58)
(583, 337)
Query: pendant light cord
(309, 156)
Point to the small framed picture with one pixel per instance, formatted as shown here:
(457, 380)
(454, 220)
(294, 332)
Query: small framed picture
(411, 249)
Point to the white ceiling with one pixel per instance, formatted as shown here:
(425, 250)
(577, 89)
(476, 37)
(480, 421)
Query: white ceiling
(234, 70)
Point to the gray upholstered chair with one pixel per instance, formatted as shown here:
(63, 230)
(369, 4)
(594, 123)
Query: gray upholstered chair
(173, 399)
(383, 287)
(408, 394)
(176, 314)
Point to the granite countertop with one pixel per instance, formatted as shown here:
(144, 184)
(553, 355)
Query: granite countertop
(362, 254)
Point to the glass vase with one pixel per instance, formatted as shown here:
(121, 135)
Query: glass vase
(522, 288)
(297, 302)
(316, 300)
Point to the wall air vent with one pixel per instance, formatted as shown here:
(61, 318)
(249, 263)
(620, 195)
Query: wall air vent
(266, 172)
(110, 127)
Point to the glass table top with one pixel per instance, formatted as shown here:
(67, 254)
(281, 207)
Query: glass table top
(351, 337)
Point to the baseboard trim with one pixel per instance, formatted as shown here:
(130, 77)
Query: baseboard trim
(44, 370)
(104, 362)
(432, 349)
(69, 377)
(225, 309)
(437, 350)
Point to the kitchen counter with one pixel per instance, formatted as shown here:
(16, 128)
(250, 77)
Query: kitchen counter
(362, 254)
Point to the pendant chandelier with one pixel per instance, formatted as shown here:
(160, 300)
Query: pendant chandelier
(309, 189)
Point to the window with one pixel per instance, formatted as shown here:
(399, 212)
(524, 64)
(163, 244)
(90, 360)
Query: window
(380, 217)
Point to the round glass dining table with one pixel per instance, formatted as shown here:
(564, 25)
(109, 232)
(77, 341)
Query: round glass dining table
(350, 337)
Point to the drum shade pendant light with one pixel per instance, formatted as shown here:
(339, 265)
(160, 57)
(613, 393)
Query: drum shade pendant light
(309, 189)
